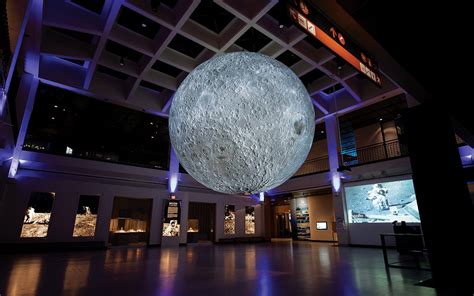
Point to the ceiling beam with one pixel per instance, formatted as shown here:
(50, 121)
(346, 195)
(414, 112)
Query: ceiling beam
(109, 23)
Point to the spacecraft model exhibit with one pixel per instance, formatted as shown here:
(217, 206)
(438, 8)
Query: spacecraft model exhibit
(241, 123)
(382, 202)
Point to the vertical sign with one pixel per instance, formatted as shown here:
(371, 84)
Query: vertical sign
(171, 218)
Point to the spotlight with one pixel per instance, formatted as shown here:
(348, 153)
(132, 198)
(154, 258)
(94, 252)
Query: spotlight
(122, 61)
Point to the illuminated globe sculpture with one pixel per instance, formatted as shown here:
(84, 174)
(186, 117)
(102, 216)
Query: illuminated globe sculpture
(241, 123)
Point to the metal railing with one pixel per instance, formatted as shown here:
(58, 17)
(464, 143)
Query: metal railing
(315, 165)
(376, 152)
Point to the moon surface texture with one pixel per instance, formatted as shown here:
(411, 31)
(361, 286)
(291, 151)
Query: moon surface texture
(241, 123)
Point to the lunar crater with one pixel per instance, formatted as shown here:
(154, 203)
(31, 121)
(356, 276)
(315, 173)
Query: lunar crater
(241, 123)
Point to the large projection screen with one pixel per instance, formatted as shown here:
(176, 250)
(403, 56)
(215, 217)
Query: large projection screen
(382, 202)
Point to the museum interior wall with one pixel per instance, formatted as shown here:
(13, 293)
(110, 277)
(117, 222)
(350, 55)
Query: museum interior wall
(66, 191)
(372, 134)
(321, 213)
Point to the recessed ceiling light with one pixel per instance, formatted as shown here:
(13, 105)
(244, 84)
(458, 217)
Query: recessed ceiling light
(151, 123)
(52, 118)
(144, 25)
(380, 119)
(322, 132)
(152, 137)
(55, 106)
(281, 26)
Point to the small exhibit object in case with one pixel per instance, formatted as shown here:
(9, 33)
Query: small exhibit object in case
(321, 225)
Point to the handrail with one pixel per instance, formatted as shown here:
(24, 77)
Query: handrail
(314, 165)
(375, 152)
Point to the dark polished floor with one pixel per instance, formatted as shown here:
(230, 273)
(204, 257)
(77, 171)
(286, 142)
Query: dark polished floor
(281, 268)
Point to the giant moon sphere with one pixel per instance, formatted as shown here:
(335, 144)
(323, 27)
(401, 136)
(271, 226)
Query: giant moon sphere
(241, 123)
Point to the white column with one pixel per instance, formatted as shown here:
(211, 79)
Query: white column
(26, 93)
(332, 135)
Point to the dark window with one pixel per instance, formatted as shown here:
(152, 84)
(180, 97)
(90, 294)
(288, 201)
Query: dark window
(67, 123)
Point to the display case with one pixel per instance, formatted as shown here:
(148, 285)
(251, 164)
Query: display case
(129, 224)
(193, 225)
(125, 231)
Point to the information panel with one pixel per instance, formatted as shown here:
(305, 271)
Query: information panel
(305, 15)
(172, 217)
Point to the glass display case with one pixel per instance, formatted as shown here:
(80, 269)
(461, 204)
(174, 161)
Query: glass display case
(130, 221)
(127, 225)
(193, 225)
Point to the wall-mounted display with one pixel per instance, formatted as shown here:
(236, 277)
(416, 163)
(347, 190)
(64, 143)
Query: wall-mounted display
(250, 220)
(321, 225)
(86, 216)
(229, 219)
(130, 221)
(302, 219)
(382, 202)
(38, 214)
(171, 220)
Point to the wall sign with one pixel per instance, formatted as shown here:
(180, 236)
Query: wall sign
(172, 217)
(321, 225)
(318, 25)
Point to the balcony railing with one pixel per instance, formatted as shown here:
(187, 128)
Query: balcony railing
(376, 152)
(314, 165)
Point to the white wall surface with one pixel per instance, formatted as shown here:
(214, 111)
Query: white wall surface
(68, 188)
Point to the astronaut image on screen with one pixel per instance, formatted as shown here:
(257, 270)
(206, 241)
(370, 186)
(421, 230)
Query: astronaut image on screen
(171, 228)
(382, 202)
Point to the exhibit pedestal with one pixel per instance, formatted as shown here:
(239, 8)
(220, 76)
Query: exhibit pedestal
(170, 241)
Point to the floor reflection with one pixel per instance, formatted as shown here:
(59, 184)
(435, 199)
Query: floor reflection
(282, 268)
(24, 276)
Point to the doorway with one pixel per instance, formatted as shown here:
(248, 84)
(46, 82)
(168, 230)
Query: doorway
(201, 222)
(281, 221)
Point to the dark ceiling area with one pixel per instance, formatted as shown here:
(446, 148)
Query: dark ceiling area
(137, 23)
(252, 40)
(426, 38)
(211, 16)
(288, 58)
(185, 46)
(383, 111)
(95, 6)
